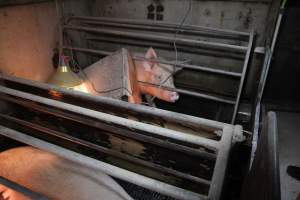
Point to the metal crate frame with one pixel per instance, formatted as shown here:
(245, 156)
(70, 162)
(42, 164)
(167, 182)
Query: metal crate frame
(229, 134)
(129, 27)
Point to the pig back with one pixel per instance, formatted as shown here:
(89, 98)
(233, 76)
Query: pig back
(57, 178)
(112, 76)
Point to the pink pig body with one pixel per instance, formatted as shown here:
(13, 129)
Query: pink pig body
(154, 73)
(54, 177)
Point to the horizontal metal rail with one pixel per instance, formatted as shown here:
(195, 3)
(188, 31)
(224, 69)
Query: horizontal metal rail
(111, 152)
(158, 45)
(115, 120)
(106, 168)
(159, 24)
(115, 131)
(221, 147)
(163, 115)
(160, 38)
(179, 64)
(196, 94)
(152, 28)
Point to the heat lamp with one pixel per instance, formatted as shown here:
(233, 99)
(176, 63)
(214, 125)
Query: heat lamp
(66, 78)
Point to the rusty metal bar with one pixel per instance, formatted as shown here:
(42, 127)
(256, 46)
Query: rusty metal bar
(242, 80)
(179, 64)
(118, 121)
(107, 151)
(160, 38)
(95, 124)
(222, 147)
(111, 170)
(163, 115)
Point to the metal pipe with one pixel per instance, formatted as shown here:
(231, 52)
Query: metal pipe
(162, 115)
(257, 116)
(111, 170)
(242, 80)
(158, 24)
(159, 45)
(115, 120)
(115, 131)
(160, 38)
(18, 188)
(111, 152)
(165, 29)
(221, 163)
(196, 94)
(179, 64)
(263, 79)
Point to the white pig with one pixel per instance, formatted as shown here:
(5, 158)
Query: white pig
(155, 73)
(107, 73)
(55, 177)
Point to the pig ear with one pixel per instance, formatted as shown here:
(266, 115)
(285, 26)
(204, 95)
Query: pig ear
(151, 54)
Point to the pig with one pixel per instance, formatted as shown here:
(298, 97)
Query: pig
(54, 177)
(155, 73)
(109, 72)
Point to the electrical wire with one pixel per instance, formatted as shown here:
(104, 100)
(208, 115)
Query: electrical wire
(179, 29)
(79, 69)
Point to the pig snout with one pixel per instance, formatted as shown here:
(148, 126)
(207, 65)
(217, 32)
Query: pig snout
(174, 96)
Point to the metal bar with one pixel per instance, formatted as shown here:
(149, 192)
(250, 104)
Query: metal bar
(159, 45)
(194, 67)
(95, 124)
(221, 164)
(242, 80)
(262, 82)
(165, 29)
(163, 115)
(179, 64)
(158, 24)
(111, 170)
(196, 94)
(160, 38)
(257, 116)
(115, 120)
(23, 190)
(105, 150)
(273, 154)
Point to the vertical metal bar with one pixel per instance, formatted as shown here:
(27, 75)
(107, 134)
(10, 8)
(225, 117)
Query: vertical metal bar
(242, 80)
(221, 164)
(262, 82)
(111, 170)
(257, 117)
(274, 154)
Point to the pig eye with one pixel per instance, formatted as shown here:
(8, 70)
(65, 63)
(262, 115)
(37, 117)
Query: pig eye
(159, 77)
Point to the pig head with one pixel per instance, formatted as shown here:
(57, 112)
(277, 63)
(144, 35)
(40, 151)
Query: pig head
(157, 74)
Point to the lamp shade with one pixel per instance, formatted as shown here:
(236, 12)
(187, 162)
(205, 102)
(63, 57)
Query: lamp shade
(64, 76)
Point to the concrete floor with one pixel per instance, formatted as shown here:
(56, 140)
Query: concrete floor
(289, 152)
